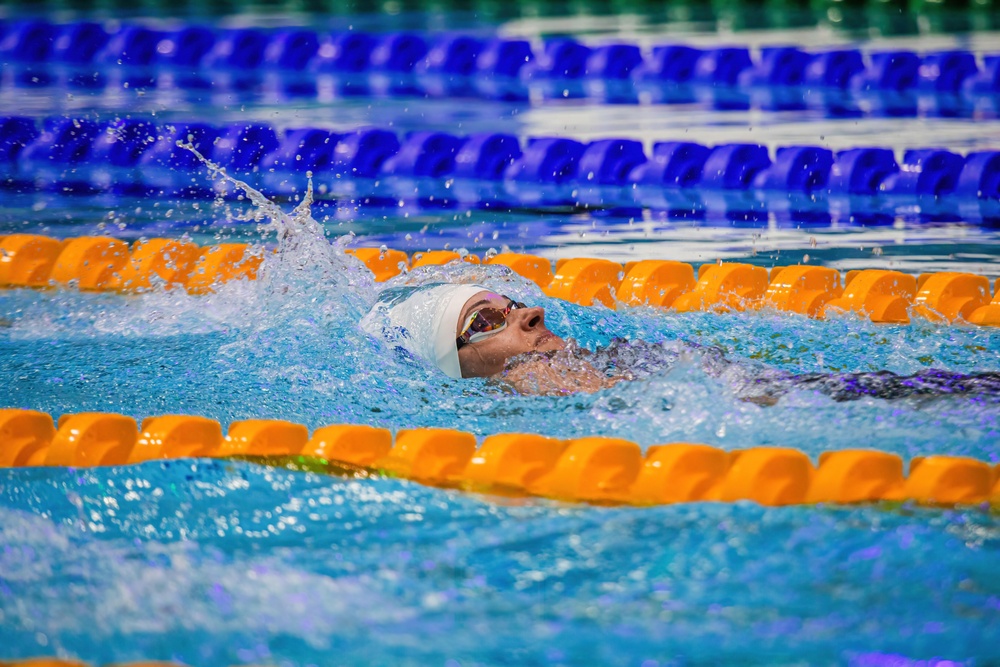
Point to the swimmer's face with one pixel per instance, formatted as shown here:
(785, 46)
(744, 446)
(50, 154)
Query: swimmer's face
(525, 332)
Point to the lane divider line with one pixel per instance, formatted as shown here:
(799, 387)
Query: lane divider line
(456, 65)
(599, 470)
(134, 157)
(879, 295)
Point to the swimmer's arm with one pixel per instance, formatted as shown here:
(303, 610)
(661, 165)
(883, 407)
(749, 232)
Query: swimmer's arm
(541, 377)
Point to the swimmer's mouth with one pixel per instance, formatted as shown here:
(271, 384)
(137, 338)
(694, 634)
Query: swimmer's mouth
(547, 336)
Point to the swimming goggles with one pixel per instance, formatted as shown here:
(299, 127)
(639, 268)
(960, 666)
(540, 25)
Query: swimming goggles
(486, 322)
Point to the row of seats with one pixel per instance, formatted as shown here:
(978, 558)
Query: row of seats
(455, 55)
(147, 151)
(594, 469)
(103, 263)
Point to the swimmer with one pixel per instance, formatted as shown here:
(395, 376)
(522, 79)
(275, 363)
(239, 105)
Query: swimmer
(470, 331)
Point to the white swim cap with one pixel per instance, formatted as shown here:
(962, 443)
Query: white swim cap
(424, 321)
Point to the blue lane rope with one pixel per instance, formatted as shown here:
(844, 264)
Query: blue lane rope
(29, 149)
(459, 65)
(739, 182)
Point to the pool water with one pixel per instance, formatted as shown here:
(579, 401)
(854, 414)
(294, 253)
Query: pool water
(214, 562)
(210, 562)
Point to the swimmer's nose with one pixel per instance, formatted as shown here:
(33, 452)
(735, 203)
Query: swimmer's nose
(530, 318)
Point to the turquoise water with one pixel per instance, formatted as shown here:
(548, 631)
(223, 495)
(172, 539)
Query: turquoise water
(209, 562)
(215, 562)
(223, 562)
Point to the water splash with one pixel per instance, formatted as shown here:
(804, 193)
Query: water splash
(303, 251)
